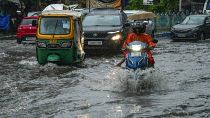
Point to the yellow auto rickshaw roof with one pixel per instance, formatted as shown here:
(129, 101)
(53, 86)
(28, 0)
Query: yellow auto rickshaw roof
(75, 14)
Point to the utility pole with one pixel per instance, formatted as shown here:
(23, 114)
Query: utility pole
(38, 4)
(122, 5)
(89, 5)
(180, 5)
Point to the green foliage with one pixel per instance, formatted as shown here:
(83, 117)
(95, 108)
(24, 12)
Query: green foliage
(158, 5)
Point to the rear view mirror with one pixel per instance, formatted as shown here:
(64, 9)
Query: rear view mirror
(34, 22)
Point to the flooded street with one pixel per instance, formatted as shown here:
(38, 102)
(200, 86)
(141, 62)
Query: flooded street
(179, 86)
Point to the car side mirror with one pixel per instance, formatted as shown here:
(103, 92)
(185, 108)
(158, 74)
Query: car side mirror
(127, 24)
(34, 22)
(207, 22)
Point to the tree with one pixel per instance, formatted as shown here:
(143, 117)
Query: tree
(158, 5)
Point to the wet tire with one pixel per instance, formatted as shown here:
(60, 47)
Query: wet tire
(202, 36)
(19, 41)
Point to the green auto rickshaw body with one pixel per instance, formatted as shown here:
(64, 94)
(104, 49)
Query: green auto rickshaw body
(59, 37)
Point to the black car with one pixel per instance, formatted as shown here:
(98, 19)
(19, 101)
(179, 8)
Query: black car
(104, 29)
(194, 27)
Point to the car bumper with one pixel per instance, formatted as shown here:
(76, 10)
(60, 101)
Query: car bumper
(184, 36)
(27, 39)
(102, 44)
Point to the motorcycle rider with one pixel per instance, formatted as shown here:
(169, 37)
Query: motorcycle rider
(139, 34)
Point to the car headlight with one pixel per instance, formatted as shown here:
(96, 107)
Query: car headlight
(116, 37)
(194, 29)
(66, 44)
(41, 44)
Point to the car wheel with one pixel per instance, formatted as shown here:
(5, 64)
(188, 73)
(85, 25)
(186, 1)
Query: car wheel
(201, 36)
(153, 34)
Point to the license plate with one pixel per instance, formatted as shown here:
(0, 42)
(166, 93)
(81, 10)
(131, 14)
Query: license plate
(135, 54)
(30, 38)
(94, 42)
(181, 35)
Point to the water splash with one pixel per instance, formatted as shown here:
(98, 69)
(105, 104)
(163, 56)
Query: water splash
(138, 81)
(30, 61)
(3, 54)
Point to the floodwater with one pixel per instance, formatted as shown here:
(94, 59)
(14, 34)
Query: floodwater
(178, 86)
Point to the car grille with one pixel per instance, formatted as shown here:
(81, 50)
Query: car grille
(95, 35)
(182, 31)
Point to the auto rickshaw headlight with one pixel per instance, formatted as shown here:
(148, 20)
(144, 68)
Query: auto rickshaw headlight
(41, 44)
(66, 44)
(116, 37)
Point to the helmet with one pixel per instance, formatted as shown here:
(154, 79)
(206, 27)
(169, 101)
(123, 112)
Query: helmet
(138, 27)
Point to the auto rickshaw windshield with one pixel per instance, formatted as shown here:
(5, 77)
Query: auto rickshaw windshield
(55, 25)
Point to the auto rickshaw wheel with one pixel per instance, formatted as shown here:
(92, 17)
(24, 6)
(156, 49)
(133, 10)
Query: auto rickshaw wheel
(19, 41)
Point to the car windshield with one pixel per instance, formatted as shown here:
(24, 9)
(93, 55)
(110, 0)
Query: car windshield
(27, 21)
(52, 25)
(197, 20)
(102, 20)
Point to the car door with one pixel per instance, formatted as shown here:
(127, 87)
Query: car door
(207, 27)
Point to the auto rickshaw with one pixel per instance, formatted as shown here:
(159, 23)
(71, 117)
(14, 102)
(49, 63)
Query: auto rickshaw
(59, 37)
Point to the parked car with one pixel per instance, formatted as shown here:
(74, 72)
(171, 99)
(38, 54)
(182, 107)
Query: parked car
(104, 29)
(150, 27)
(25, 31)
(194, 27)
(35, 13)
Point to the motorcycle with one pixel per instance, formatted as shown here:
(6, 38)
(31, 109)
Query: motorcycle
(136, 57)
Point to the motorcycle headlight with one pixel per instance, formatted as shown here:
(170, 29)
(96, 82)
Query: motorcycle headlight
(41, 44)
(136, 47)
(116, 37)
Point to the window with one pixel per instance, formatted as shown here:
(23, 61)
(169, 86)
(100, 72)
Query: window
(55, 25)
(102, 20)
(27, 21)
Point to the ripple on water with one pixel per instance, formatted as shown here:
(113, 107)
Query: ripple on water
(3, 54)
(30, 61)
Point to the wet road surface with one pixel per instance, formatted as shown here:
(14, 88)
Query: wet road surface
(178, 87)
